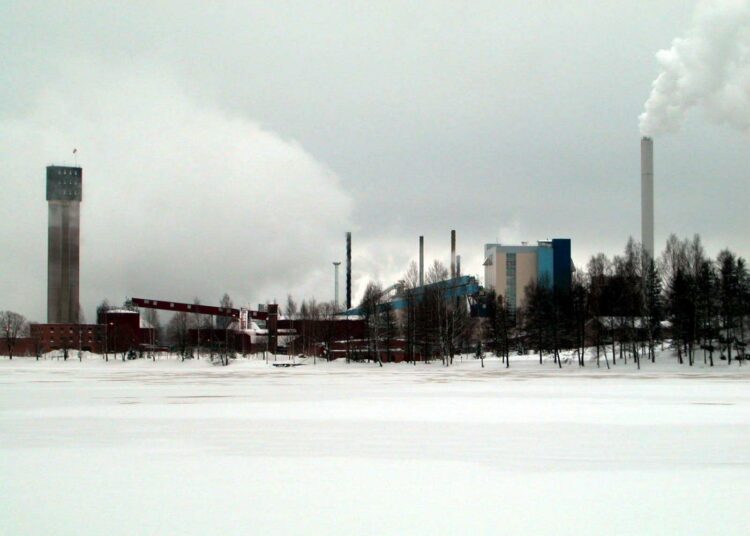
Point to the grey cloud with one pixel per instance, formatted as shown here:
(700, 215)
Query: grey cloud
(417, 118)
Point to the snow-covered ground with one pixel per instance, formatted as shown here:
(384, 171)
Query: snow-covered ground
(189, 448)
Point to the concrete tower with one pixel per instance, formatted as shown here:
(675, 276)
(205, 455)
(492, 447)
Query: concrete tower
(647, 195)
(336, 265)
(64, 194)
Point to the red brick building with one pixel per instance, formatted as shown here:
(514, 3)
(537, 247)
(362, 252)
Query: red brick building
(117, 330)
(86, 337)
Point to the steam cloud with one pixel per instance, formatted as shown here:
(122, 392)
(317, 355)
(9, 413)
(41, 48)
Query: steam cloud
(179, 199)
(709, 67)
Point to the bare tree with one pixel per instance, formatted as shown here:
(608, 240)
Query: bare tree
(436, 273)
(151, 316)
(371, 311)
(12, 327)
(328, 312)
(223, 322)
(408, 320)
(497, 326)
(177, 332)
(197, 322)
(36, 341)
(291, 308)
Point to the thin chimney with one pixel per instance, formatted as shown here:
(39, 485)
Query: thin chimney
(647, 195)
(453, 254)
(348, 271)
(421, 261)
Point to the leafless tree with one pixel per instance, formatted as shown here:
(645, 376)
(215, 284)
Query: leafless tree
(291, 308)
(223, 322)
(151, 316)
(177, 332)
(327, 314)
(13, 326)
(371, 311)
(437, 272)
(36, 341)
(408, 320)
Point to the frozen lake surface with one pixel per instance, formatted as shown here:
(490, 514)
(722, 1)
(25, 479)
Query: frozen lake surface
(189, 448)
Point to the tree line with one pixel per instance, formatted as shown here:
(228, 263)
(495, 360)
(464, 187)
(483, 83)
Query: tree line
(621, 308)
(616, 310)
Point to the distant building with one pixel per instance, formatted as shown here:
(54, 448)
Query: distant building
(509, 269)
(116, 330)
(64, 189)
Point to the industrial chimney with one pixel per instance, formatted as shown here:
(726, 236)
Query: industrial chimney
(421, 261)
(453, 254)
(348, 271)
(647, 195)
(336, 265)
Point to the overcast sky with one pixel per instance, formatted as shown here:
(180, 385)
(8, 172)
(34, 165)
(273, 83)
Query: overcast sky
(228, 147)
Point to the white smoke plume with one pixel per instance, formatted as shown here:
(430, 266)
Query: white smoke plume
(708, 68)
(180, 199)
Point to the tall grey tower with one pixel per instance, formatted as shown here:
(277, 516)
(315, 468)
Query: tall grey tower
(64, 189)
(647, 195)
(336, 265)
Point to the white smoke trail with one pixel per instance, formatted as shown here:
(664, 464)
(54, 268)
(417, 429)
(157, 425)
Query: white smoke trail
(708, 68)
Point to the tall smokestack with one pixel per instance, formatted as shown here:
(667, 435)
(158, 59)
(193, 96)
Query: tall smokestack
(336, 265)
(458, 265)
(64, 194)
(348, 271)
(647, 195)
(421, 261)
(453, 254)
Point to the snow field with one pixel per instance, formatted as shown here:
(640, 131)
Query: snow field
(189, 448)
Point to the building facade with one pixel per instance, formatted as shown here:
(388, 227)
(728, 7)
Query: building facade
(508, 270)
(64, 194)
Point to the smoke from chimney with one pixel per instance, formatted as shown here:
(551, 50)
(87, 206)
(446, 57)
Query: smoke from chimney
(709, 67)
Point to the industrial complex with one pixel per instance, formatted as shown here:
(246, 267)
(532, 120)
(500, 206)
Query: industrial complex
(508, 270)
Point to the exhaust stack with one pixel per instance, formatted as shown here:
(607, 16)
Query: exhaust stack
(348, 271)
(336, 265)
(453, 254)
(647, 195)
(421, 261)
